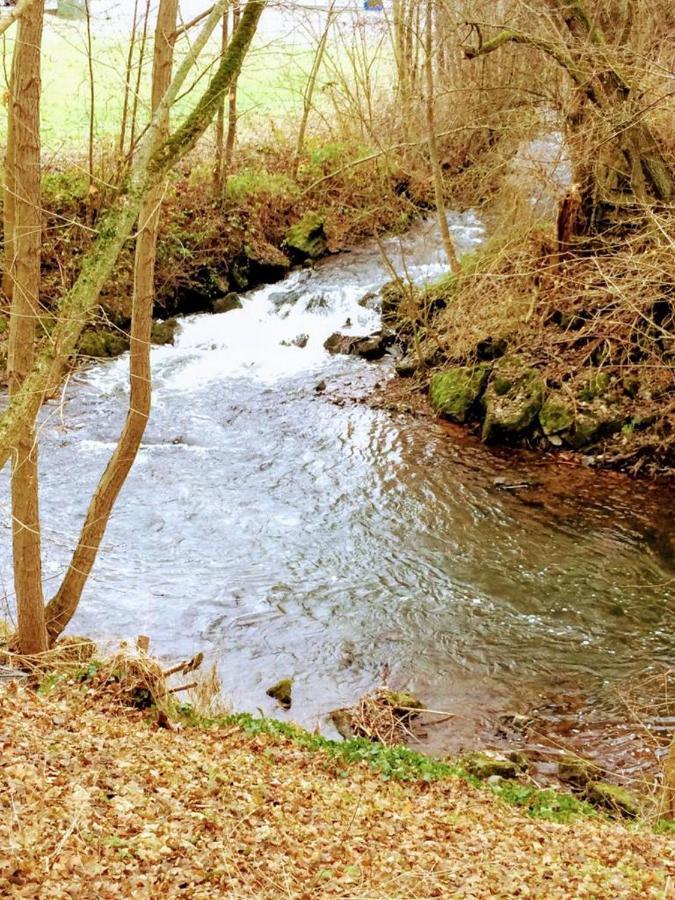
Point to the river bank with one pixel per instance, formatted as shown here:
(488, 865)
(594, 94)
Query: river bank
(118, 799)
(561, 350)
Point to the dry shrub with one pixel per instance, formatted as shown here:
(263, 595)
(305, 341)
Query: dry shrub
(384, 715)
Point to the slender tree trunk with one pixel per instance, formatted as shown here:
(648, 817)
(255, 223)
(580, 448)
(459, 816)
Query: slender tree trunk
(24, 176)
(436, 172)
(219, 167)
(8, 201)
(64, 604)
(232, 107)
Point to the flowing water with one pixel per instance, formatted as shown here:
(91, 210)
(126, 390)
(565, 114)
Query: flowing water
(290, 532)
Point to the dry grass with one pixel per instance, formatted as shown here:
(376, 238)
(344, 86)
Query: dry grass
(98, 802)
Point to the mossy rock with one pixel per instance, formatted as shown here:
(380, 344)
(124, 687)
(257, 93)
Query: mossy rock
(597, 386)
(164, 332)
(102, 344)
(592, 422)
(227, 303)
(307, 238)
(484, 766)
(577, 771)
(613, 798)
(455, 392)
(342, 719)
(556, 414)
(512, 399)
(281, 691)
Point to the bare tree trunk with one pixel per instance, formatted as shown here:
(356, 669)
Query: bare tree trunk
(65, 602)
(219, 167)
(309, 90)
(24, 175)
(8, 201)
(436, 172)
(232, 107)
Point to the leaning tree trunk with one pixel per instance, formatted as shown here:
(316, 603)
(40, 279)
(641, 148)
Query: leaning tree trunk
(22, 275)
(64, 603)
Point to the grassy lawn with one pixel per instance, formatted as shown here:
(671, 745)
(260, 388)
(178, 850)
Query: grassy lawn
(271, 85)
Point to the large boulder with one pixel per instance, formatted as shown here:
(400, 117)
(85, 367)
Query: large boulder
(455, 392)
(512, 399)
(307, 238)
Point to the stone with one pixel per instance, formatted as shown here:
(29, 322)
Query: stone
(592, 421)
(407, 366)
(491, 348)
(556, 414)
(403, 704)
(342, 719)
(370, 348)
(613, 798)
(102, 344)
(320, 387)
(307, 238)
(227, 303)
(392, 294)
(369, 301)
(281, 691)
(484, 766)
(455, 392)
(575, 770)
(512, 399)
(164, 332)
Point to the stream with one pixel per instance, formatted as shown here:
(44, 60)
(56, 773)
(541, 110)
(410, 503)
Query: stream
(290, 532)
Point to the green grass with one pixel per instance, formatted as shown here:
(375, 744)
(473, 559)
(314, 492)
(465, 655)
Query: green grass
(271, 86)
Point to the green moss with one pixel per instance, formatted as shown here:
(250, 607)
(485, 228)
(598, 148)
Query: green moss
(512, 399)
(455, 392)
(307, 238)
(164, 332)
(102, 344)
(613, 798)
(556, 414)
(483, 766)
(576, 771)
(252, 183)
(597, 385)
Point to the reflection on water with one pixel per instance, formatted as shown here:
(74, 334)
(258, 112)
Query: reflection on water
(288, 535)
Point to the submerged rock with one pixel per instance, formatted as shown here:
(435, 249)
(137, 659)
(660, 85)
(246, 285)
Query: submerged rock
(512, 399)
(455, 392)
(307, 238)
(281, 691)
(227, 303)
(102, 344)
(613, 798)
(301, 340)
(164, 332)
